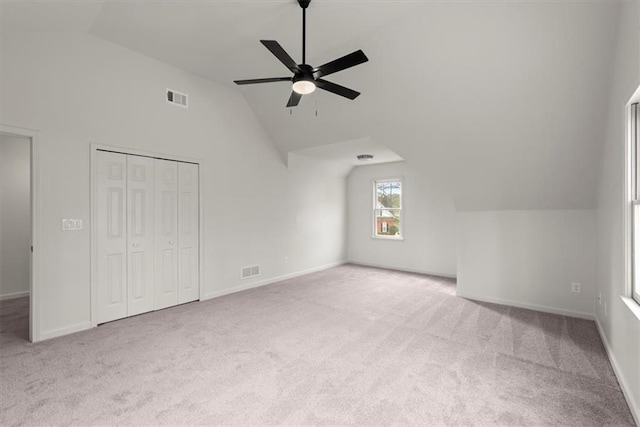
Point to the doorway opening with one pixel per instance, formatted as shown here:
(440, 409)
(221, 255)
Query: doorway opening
(16, 236)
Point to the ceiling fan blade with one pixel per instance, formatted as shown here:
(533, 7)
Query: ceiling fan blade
(269, 80)
(275, 48)
(294, 99)
(347, 61)
(337, 89)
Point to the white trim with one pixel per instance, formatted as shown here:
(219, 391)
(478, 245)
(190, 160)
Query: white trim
(535, 307)
(626, 390)
(93, 252)
(201, 225)
(632, 305)
(154, 154)
(393, 238)
(35, 270)
(270, 281)
(46, 335)
(406, 270)
(94, 246)
(628, 197)
(14, 295)
(629, 206)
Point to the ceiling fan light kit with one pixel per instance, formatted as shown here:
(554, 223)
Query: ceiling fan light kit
(305, 77)
(304, 84)
(304, 87)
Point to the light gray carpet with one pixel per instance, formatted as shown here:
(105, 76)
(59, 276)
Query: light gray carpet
(349, 345)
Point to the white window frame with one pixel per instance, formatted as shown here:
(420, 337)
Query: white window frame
(374, 193)
(632, 196)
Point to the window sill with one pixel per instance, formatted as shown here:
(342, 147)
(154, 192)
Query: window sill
(632, 305)
(398, 239)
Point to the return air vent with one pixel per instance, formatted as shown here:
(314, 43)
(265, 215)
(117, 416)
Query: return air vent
(177, 98)
(250, 271)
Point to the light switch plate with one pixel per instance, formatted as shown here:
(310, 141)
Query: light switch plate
(71, 224)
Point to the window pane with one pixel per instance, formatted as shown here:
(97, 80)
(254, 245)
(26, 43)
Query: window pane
(388, 194)
(387, 222)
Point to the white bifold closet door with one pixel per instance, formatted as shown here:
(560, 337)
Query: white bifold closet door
(147, 234)
(166, 213)
(140, 234)
(177, 233)
(111, 228)
(125, 235)
(188, 233)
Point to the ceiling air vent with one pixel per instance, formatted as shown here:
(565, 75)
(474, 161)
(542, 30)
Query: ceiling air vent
(177, 98)
(250, 271)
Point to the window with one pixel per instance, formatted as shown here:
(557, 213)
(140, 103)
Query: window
(387, 209)
(634, 155)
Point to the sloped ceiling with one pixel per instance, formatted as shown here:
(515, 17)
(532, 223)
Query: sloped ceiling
(503, 100)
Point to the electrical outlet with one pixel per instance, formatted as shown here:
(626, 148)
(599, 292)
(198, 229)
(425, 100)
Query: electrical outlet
(576, 287)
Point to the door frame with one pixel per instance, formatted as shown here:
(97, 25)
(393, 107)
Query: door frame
(94, 238)
(35, 263)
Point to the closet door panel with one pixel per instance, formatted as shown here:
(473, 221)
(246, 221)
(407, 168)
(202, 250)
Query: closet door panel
(140, 234)
(166, 221)
(111, 228)
(188, 233)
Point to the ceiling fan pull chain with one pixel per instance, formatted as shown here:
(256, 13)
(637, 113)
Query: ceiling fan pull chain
(316, 108)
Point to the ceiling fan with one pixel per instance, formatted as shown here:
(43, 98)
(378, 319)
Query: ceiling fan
(305, 77)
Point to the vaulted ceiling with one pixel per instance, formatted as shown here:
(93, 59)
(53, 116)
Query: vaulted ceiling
(503, 101)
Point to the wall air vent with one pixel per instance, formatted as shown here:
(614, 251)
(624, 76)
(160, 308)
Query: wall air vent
(250, 271)
(177, 98)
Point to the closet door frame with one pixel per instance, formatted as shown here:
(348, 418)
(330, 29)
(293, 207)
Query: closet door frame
(95, 148)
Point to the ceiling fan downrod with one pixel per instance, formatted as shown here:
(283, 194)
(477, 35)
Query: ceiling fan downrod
(304, 4)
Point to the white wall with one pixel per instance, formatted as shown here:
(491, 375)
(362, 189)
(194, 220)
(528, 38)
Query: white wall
(529, 259)
(15, 216)
(77, 89)
(429, 244)
(620, 327)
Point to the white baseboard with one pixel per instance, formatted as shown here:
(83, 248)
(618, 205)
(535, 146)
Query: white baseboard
(269, 281)
(633, 406)
(406, 270)
(14, 295)
(45, 335)
(535, 307)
